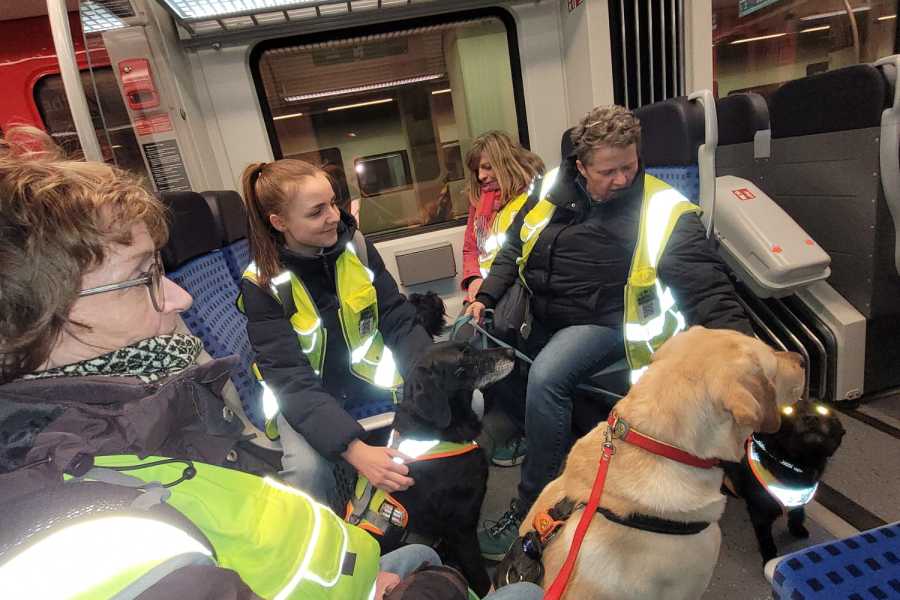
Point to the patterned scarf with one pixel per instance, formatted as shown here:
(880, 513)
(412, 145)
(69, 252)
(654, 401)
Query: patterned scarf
(149, 360)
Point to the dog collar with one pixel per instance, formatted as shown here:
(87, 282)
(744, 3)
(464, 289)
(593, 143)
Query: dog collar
(622, 431)
(760, 448)
(420, 450)
(787, 495)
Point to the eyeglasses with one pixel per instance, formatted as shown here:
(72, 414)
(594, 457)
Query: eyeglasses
(152, 278)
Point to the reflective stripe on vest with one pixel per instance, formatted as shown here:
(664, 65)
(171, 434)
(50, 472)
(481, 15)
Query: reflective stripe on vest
(651, 316)
(282, 543)
(381, 510)
(499, 225)
(97, 558)
(786, 495)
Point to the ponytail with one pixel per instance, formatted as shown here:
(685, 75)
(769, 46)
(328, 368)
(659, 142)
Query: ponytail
(267, 188)
(264, 239)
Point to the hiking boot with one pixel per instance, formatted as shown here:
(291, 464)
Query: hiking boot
(511, 453)
(498, 536)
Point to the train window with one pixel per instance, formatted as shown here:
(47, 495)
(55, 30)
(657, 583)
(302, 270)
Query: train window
(400, 107)
(120, 146)
(758, 45)
(383, 173)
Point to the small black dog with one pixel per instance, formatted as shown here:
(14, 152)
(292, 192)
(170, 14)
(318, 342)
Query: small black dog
(446, 499)
(430, 312)
(780, 471)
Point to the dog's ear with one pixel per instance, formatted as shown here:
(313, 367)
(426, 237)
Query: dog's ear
(426, 399)
(752, 403)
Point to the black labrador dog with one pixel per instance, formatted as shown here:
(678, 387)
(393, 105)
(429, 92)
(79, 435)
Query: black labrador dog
(780, 471)
(446, 499)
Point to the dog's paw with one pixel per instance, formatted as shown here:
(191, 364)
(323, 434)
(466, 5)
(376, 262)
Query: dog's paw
(798, 531)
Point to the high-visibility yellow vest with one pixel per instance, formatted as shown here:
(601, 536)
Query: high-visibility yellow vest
(651, 315)
(282, 543)
(99, 557)
(370, 359)
(494, 242)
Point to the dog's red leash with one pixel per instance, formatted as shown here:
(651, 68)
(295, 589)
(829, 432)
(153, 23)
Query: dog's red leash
(617, 428)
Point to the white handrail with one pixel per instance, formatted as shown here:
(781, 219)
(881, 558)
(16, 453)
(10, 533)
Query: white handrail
(706, 156)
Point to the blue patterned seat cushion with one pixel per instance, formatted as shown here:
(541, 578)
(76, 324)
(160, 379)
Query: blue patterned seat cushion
(865, 566)
(215, 319)
(684, 179)
(237, 257)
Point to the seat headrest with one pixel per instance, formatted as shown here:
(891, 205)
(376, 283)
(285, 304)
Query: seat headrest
(740, 116)
(229, 214)
(671, 132)
(566, 147)
(192, 229)
(839, 100)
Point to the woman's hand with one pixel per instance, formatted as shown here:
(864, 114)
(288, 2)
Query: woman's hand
(377, 464)
(476, 311)
(474, 286)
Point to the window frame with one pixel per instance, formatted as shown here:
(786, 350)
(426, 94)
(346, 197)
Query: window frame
(407, 172)
(515, 64)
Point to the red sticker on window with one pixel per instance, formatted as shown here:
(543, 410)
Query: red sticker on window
(743, 194)
(776, 249)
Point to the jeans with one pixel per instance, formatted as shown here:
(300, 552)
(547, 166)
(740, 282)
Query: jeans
(571, 354)
(407, 559)
(304, 468)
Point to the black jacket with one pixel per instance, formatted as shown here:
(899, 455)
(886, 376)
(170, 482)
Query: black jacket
(313, 405)
(579, 266)
(57, 425)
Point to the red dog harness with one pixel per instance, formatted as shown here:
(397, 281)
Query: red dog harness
(616, 429)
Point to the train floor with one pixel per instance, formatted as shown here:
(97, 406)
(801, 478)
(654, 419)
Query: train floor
(861, 490)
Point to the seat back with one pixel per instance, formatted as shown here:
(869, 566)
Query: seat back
(231, 224)
(825, 172)
(672, 132)
(194, 261)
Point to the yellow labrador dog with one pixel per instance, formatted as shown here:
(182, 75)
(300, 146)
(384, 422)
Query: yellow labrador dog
(705, 392)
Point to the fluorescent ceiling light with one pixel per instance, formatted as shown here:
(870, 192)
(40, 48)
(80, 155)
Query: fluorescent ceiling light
(359, 104)
(758, 38)
(364, 88)
(96, 18)
(887, 17)
(436, 92)
(290, 116)
(214, 9)
(834, 13)
(811, 29)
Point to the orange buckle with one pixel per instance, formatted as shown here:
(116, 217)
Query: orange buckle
(546, 526)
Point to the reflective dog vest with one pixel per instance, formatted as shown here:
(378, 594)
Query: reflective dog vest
(370, 359)
(651, 314)
(788, 496)
(377, 511)
(282, 543)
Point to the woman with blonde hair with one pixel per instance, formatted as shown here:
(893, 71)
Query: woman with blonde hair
(500, 171)
(327, 323)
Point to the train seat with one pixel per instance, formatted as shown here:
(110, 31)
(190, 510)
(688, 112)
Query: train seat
(231, 223)
(194, 260)
(769, 252)
(672, 132)
(861, 566)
